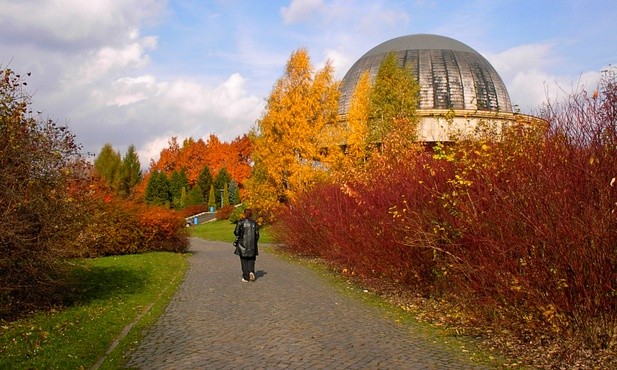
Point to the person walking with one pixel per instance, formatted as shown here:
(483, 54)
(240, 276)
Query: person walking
(247, 235)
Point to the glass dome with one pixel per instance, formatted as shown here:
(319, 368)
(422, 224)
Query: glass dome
(451, 74)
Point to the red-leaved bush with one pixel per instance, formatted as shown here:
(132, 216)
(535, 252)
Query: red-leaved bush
(225, 212)
(193, 210)
(516, 224)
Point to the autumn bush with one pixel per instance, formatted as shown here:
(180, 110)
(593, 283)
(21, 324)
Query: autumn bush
(517, 224)
(225, 212)
(359, 225)
(193, 210)
(162, 230)
(120, 227)
(39, 159)
(53, 208)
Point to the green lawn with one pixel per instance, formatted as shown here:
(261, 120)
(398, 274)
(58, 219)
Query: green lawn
(111, 293)
(223, 230)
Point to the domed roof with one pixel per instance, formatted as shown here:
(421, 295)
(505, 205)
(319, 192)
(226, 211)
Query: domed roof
(451, 74)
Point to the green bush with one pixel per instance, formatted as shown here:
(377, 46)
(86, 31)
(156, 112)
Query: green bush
(237, 214)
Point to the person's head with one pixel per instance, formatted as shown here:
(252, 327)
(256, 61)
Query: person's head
(248, 213)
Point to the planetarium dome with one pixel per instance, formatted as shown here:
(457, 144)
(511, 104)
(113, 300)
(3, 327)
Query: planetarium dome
(452, 77)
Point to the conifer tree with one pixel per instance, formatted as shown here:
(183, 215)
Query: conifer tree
(234, 194)
(393, 100)
(205, 181)
(211, 198)
(222, 178)
(108, 164)
(177, 183)
(157, 190)
(225, 200)
(183, 199)
(194, 196)
(130, 172)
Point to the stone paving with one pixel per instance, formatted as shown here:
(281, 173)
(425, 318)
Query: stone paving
(289, 318)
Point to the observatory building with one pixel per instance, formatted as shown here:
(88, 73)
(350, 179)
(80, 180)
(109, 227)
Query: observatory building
(455, 81)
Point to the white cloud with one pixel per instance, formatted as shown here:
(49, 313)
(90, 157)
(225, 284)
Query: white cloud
(340, 62)
(525, 70)
(147, 112)
(151, 150)
(227, 101)
(300, 10)
(523, 58)
(74, 23)
(377, 15)
(127, 90)
(91, 68)
(108, 59)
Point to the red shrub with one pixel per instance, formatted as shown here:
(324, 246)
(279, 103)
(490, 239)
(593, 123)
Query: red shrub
(193, 210)
(224, 213)
(522, 228)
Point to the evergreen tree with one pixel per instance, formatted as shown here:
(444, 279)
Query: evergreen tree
(204, 181)
(178, 182)
(194, 196)
(222, 178)
(234, 194)
(225, 195)
(157, 189)
(393, 100)
(130, 172)
(211, 198)
(108, 164)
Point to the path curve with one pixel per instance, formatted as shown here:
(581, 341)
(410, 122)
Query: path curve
(289, 318)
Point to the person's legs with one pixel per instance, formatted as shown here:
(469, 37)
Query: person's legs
(251, 268)
(246, 269)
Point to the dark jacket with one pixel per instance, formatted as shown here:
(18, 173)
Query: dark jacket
(247, 235)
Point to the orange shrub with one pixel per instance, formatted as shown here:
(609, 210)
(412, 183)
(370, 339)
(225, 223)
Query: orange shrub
(121, 227)
(162, 230)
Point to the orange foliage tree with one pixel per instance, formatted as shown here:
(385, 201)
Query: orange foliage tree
(288, 144)
(193, 155)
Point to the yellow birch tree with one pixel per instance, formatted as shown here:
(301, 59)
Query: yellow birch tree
(288, 142)
(356, 135)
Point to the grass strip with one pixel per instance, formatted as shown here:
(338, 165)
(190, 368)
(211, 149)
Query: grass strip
(110, 293)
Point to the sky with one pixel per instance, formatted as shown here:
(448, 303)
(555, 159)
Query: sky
(142, 71)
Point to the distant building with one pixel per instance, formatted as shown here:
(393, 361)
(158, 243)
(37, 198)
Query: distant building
(455, 81)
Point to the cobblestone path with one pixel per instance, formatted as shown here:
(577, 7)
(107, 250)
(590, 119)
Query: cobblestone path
(289, 318)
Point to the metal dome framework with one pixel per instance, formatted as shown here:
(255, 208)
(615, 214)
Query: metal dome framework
(452, 77)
